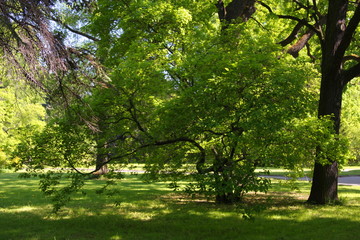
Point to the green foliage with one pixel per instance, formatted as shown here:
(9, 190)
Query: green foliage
(229, 185)
(187, 93)
(60, 195)
(21, 116)
(191, 100)
(350, 119)
(311, 138)
(58, 145)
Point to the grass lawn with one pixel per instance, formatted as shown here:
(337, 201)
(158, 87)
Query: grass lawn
(152, 211)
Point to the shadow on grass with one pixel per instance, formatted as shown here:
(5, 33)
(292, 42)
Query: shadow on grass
(153, 212)
(178, 223)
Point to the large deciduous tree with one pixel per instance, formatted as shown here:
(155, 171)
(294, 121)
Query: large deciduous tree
(335, 45)
(335, 22)
(188, 91)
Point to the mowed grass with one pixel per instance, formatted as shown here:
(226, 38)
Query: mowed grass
(152, 211)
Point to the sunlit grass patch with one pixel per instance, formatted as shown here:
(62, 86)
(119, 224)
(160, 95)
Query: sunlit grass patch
(18, 209)
(153, 211)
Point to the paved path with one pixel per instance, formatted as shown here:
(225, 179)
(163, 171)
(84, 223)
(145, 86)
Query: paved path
(343, 180)
(349, 180)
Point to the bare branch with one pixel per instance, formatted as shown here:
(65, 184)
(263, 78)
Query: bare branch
(348, 35)
(265, 6)
(301, 43)
(351, 57)
(351, 73)
(74, 30)
(301, 6)
(292, 35)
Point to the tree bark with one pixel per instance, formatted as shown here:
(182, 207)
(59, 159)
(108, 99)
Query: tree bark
(325, 178)
(325, 181)
(236, 9)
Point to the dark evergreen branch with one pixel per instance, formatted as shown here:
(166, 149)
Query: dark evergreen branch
(55, 19)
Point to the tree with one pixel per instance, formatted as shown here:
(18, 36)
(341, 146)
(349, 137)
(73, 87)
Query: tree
(338, 37)
(22, 115)
(335, 23)
(170, 105)
(34, 42)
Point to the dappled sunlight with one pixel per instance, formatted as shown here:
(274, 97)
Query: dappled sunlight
(117, 237)
(141, 210)
(220, 215)
(155, 212)
(20, 209)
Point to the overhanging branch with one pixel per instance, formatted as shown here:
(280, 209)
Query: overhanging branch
(55, 19)
(351, 73)
(301, 43)
(199, 164)
(312, 29)
(292, 35)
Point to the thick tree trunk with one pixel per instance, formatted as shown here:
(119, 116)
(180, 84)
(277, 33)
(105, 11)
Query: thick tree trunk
(102, 147)
(325, 181)
(325, 178)
(102, 168)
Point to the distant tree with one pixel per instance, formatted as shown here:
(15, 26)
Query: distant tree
(350, 124)
(21, 115)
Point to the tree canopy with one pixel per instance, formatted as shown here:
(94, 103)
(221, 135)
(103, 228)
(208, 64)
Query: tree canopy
(198, 90)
